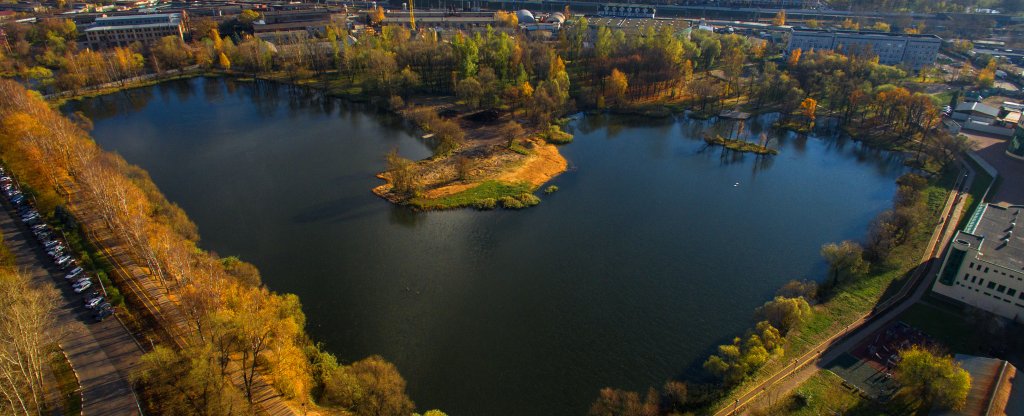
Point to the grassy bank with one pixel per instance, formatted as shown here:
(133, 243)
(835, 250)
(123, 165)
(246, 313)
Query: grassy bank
(856, 299)
(486, 195)
(739, 145)
(823, 394)
(67, 382)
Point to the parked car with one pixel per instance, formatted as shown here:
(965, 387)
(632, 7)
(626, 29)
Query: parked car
(81, 288)
(103, 314)
(71, 263)
(90, 295)
(92, 303)
(50, 243)
(81, 282)
(74, 273)
(63, 260)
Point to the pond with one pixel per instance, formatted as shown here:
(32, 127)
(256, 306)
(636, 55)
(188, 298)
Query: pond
(654, 250)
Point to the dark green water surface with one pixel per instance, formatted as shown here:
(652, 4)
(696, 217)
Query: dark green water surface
(653, 251)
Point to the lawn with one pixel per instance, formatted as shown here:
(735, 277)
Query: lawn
(67, 382)
(489, 190)
(946, 324)
(824, 394)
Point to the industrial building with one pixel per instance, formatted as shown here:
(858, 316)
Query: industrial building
(912, 51)
(113, 31)
(984, 266)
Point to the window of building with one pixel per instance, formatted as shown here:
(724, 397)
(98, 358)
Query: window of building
(966, 275)
(973, 278)
(1001, 289)
(991, 285)
(981, 281)
(986, 270)
(1011, 292)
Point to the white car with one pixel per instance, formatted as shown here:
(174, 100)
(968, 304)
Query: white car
(91, 303)
(81, 288)
(74, 273)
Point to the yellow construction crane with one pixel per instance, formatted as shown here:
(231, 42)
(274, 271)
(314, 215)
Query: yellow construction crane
(412, 16)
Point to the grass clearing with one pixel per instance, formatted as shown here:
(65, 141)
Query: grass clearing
(67, 382)
(824, 394)
(488, 190)
(945, 324)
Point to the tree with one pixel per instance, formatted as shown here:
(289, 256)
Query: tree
(881, 26)
(247, 17)
(187, 382)
(794, 58)
(511, 131)
(615, 402)
(784, 313)
(399, 170)
(934, 379)
(780, 18)
(808, 108)
(376, 16)
(987, 76)
(223, 62)
(845, 261)
(26, 336)
(369, 387)
(469, 91)
(171, 52)
(615, 86)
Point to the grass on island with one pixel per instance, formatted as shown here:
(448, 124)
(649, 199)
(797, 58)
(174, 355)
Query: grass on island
(67, 382)
(793, 125)
(486, 195)
(740, 145)
(823, 394)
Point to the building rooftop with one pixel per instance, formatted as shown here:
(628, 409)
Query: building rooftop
(104, 28)
(864, 33)
(992, 384)
(978, 107)
(994, 231)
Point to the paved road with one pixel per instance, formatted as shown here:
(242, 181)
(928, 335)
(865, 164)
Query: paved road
(102, 354)
(801, 368)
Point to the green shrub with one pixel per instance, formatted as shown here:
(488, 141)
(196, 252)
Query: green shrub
(511, 203)
(551, 189)
(555, 135)
(486, 204)
(528, 199)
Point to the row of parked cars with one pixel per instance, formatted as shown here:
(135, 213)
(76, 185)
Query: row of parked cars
(56, 248)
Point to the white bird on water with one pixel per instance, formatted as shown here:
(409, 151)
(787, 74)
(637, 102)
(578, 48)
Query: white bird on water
(736, 184)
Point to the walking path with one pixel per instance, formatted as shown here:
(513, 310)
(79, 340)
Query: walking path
(137, 282)
(919, 282)
(102, 354)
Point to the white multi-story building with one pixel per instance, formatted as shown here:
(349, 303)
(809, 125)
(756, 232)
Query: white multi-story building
(984, 267)
(113, 31)
(912, 51)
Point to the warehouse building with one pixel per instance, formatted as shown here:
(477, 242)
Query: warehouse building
(984, 266)
(108, 32)
(912, 51)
